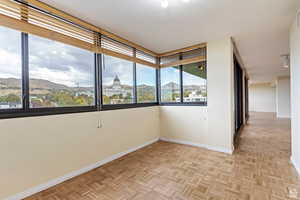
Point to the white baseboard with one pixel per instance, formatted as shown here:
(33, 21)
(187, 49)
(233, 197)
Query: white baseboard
(73, 174)
(212, 148)
(295, 165)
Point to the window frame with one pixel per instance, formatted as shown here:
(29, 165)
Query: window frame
(26, 111)
(181, 103)
(156, 87)
(134, 104)
(174, 102)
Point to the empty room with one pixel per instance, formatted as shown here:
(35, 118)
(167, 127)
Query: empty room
(149, 100)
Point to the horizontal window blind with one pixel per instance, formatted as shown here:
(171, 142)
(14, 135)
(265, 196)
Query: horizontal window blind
(22, 17)
(11, 9)
(54, 24)
(112, 45)
(182, 58)
(33, 20)
(169, 59)
(194, 53)
(146, 57)
(114, 48)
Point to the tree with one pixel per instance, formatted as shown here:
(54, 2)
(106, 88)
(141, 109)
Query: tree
(106, 100)
(10, 98)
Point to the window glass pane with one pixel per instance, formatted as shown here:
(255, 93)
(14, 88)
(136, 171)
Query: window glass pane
(117, 80)
(194, 82)
(170, 84)
(60, 75)
(10, 69)
(146, 83)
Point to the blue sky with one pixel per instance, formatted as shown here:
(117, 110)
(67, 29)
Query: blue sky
(171, 74)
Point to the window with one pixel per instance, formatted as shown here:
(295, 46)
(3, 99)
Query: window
(169, 59)
(146, 84)
(10, 69)
(170, 84)
(194, 83)
(60, 75)
(117, 81)
(193, 53)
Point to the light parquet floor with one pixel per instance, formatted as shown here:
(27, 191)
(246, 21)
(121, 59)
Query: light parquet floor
(260, 169)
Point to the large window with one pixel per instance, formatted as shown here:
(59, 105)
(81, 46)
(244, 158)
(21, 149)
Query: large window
(60, 75)
(10, 69)
(65, 67)
(194, 83)
(186, 83)
(170, 84)
(117, 81)
(146, 84)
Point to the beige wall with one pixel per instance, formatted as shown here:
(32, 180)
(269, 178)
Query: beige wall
(283, 97)
(295, 92)
(211, 126)
(35, 150)
(184, 123)
(262, 97)
(220, 84)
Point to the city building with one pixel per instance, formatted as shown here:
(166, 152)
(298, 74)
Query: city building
(117, 88)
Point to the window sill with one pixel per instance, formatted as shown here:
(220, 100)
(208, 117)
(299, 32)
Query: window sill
(127, 106)
(35, 112)
(184, 104)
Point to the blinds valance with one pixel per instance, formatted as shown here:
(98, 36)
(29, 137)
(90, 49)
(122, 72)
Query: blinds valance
(185, 57)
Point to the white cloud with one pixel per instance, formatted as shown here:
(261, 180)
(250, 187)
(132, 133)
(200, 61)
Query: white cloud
(10, 64)
(71, 78)
(116, 66)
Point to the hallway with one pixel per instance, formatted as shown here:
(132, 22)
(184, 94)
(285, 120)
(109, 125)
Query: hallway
(265, 146)
(258, 170)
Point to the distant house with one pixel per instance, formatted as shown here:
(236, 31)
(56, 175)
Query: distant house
(193, 97)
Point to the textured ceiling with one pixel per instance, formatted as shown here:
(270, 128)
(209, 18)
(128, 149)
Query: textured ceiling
(259, 27)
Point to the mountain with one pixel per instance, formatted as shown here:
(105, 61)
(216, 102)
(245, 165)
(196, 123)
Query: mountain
(45, 84)
(170, 85)
(34, 84)
(10, 83)
(37, 84)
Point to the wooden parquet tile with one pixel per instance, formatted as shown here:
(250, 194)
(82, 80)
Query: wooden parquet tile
(259, 169)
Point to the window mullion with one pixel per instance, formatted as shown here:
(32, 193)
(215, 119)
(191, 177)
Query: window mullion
(181, 80)
(134, 79)
(100, 83)
(158, 83)
(96, 77)
(25, 72)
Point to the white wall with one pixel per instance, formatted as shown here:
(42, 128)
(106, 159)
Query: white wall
(184, 123)
(262, 97)
(212, 126)
(35, 150)
(220, 95)
(295, 92)
(283, 97)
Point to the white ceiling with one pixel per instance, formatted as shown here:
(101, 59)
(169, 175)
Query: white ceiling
(259, 27)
